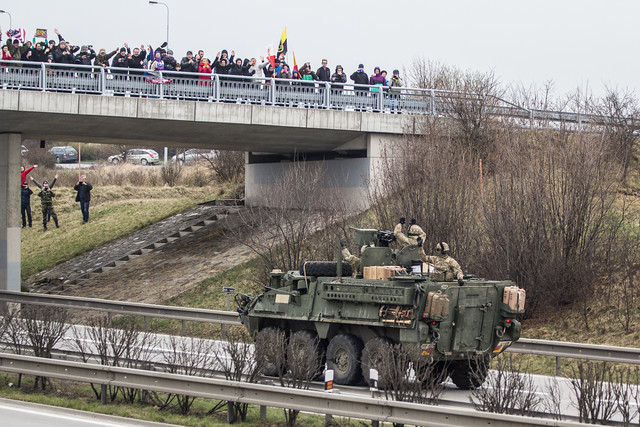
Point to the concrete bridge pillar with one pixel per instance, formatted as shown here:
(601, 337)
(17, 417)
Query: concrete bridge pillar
(10, 162)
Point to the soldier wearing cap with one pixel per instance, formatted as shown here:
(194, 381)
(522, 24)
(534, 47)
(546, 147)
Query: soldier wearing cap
(411, 238)
(442, 262)
(46, 198)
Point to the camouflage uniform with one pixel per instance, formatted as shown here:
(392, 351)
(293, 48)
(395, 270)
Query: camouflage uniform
(354, 261)
(46, 197)
(443, 263)
(411, 238)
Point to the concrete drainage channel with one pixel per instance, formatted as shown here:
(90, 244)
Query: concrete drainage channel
(60, 287)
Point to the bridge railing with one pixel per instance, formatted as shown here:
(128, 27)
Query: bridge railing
(110, 81)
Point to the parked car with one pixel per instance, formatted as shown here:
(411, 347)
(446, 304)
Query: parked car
(136, 155)
(194, 155)
(64, 154)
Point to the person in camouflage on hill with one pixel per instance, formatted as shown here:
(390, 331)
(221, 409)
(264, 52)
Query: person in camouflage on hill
(411, 238)
(46, 198)
(442, 262)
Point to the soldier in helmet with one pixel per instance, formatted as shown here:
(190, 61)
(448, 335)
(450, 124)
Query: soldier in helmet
(354, 261)
(411, 238)
(442, 262)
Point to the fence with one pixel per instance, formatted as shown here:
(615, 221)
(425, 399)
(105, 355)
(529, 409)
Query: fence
(50, 77)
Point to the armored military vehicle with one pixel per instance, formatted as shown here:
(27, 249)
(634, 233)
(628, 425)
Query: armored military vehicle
(395, 298)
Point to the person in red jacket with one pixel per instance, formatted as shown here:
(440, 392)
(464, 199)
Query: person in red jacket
(24, 172)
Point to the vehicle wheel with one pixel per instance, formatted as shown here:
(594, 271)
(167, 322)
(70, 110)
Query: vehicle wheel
(115, 161)
(377, 354)
(144, 162)
(181, 162)
(324, 268)
(57, 159)
(271, 344)
(306, 345)
(343, 356)
(470, 374)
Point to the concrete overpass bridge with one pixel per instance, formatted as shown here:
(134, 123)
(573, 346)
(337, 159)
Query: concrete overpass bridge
(270, 119)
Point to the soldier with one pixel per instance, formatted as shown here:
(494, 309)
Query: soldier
(411, 238)
(354, 261)
(442, 262)
(46, 198)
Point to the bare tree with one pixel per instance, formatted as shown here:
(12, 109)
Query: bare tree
(549, 215)
(227, 166)
(429, 178)
(594, 394)
(236, 358)
(13, 332)
(304, 363)
(171, 172)
(300, 205)
(127, 346)
(507, 390)
(186, 356)
(44, 326)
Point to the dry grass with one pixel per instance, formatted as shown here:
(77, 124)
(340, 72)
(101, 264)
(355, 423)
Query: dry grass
(115, 212)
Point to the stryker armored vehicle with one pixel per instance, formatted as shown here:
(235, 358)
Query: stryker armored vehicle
(394, 299)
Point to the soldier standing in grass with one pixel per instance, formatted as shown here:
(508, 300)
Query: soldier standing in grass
(84, 196)
(46, 198)
(55, 178)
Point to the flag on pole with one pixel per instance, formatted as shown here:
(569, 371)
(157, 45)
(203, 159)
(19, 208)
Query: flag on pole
(282, 48)
(295, 63)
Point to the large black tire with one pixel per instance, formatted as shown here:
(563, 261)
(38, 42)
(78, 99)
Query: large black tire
(324, 268)
(115, 161)
(343, 356)
(305, 340)
(378, 353)
(470, 374)
(270, 368)
(144, 162)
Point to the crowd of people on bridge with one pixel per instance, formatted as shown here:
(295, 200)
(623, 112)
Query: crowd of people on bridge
(162, 59)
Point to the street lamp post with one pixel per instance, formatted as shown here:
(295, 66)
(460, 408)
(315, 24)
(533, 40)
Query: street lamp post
(165, 5)
(11, 28)
(166, 150)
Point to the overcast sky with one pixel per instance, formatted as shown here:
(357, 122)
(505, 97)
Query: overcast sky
(573, 43)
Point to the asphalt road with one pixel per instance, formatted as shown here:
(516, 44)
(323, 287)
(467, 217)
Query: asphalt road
(24, 414)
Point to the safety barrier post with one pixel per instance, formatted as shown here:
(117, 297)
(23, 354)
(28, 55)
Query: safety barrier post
(161, 89)
(433, 102)
(103, 80)
(272, 91)
(327, 95)
(43, 78)
(216, 94)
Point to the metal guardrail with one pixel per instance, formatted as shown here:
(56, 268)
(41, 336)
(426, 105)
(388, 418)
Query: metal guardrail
(51, 77)
(123, 307)
(260, 394)
(557, 349)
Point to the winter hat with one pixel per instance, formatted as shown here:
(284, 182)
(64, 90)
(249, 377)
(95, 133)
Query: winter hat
(396, 72)
(123, 49)
(169, 52)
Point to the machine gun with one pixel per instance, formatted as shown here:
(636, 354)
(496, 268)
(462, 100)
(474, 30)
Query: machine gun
(373, 237)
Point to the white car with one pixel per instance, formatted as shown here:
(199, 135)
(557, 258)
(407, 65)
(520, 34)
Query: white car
(194, 155)
(136, 155)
